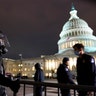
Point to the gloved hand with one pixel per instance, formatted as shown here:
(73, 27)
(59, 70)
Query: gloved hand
(3, 49)
(15, 85)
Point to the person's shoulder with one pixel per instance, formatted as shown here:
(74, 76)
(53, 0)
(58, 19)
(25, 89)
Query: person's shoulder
(88, 56)
(59, 67)
(41, 69)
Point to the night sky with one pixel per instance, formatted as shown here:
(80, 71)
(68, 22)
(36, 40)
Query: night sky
(33, 26)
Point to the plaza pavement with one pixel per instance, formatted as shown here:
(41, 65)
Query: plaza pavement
(29, 90)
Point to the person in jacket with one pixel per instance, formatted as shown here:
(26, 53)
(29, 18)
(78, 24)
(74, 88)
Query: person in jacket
(4, 81)
(86, 69)
(64, 76)
(38, 77)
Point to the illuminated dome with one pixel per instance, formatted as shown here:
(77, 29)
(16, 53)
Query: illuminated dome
(75, 24)
(76, 30)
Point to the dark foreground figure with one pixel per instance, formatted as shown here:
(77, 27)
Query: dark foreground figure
(4, 81)
(38, 77)
(64, 76)
(86, 69)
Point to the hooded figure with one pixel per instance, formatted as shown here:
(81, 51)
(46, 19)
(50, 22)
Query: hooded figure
(38, 77)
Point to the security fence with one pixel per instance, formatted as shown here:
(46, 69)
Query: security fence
(74, 88)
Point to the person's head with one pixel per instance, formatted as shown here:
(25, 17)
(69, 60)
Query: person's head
(66, 61)
(3, 43)
(37, 66)
(3, 48)
(78, 49)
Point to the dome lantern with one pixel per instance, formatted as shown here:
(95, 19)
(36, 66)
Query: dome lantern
(73, 13)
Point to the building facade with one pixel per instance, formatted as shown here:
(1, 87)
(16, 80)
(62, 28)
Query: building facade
(75, 30)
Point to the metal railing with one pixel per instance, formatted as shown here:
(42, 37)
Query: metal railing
(56, 85)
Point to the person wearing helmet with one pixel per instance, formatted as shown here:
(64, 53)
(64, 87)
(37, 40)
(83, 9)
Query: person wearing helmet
(4, 81)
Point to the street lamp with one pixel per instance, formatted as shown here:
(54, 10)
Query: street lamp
(20, 65)
(20, 57)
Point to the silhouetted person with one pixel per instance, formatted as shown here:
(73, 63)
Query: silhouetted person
(38, 77)
(86, 72)
(64, 76)
(4, 81)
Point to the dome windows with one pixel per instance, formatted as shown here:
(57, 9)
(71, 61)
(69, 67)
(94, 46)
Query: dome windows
(69, 44)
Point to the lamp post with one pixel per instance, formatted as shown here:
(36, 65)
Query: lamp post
(20, 65)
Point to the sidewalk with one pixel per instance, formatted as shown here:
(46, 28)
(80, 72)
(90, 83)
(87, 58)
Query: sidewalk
(29, 90)
(48, 94)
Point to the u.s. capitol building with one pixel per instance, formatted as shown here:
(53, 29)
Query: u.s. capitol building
(75, 30)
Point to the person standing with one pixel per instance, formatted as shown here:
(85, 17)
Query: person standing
(64, 76)
(86, 72)
(38, 77)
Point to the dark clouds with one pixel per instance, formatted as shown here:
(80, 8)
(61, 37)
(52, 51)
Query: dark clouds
(33, 26)
(90, 0)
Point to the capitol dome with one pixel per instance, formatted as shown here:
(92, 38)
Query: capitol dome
(76, 30)
(75, 23)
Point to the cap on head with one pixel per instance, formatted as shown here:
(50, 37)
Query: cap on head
(65, 59)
